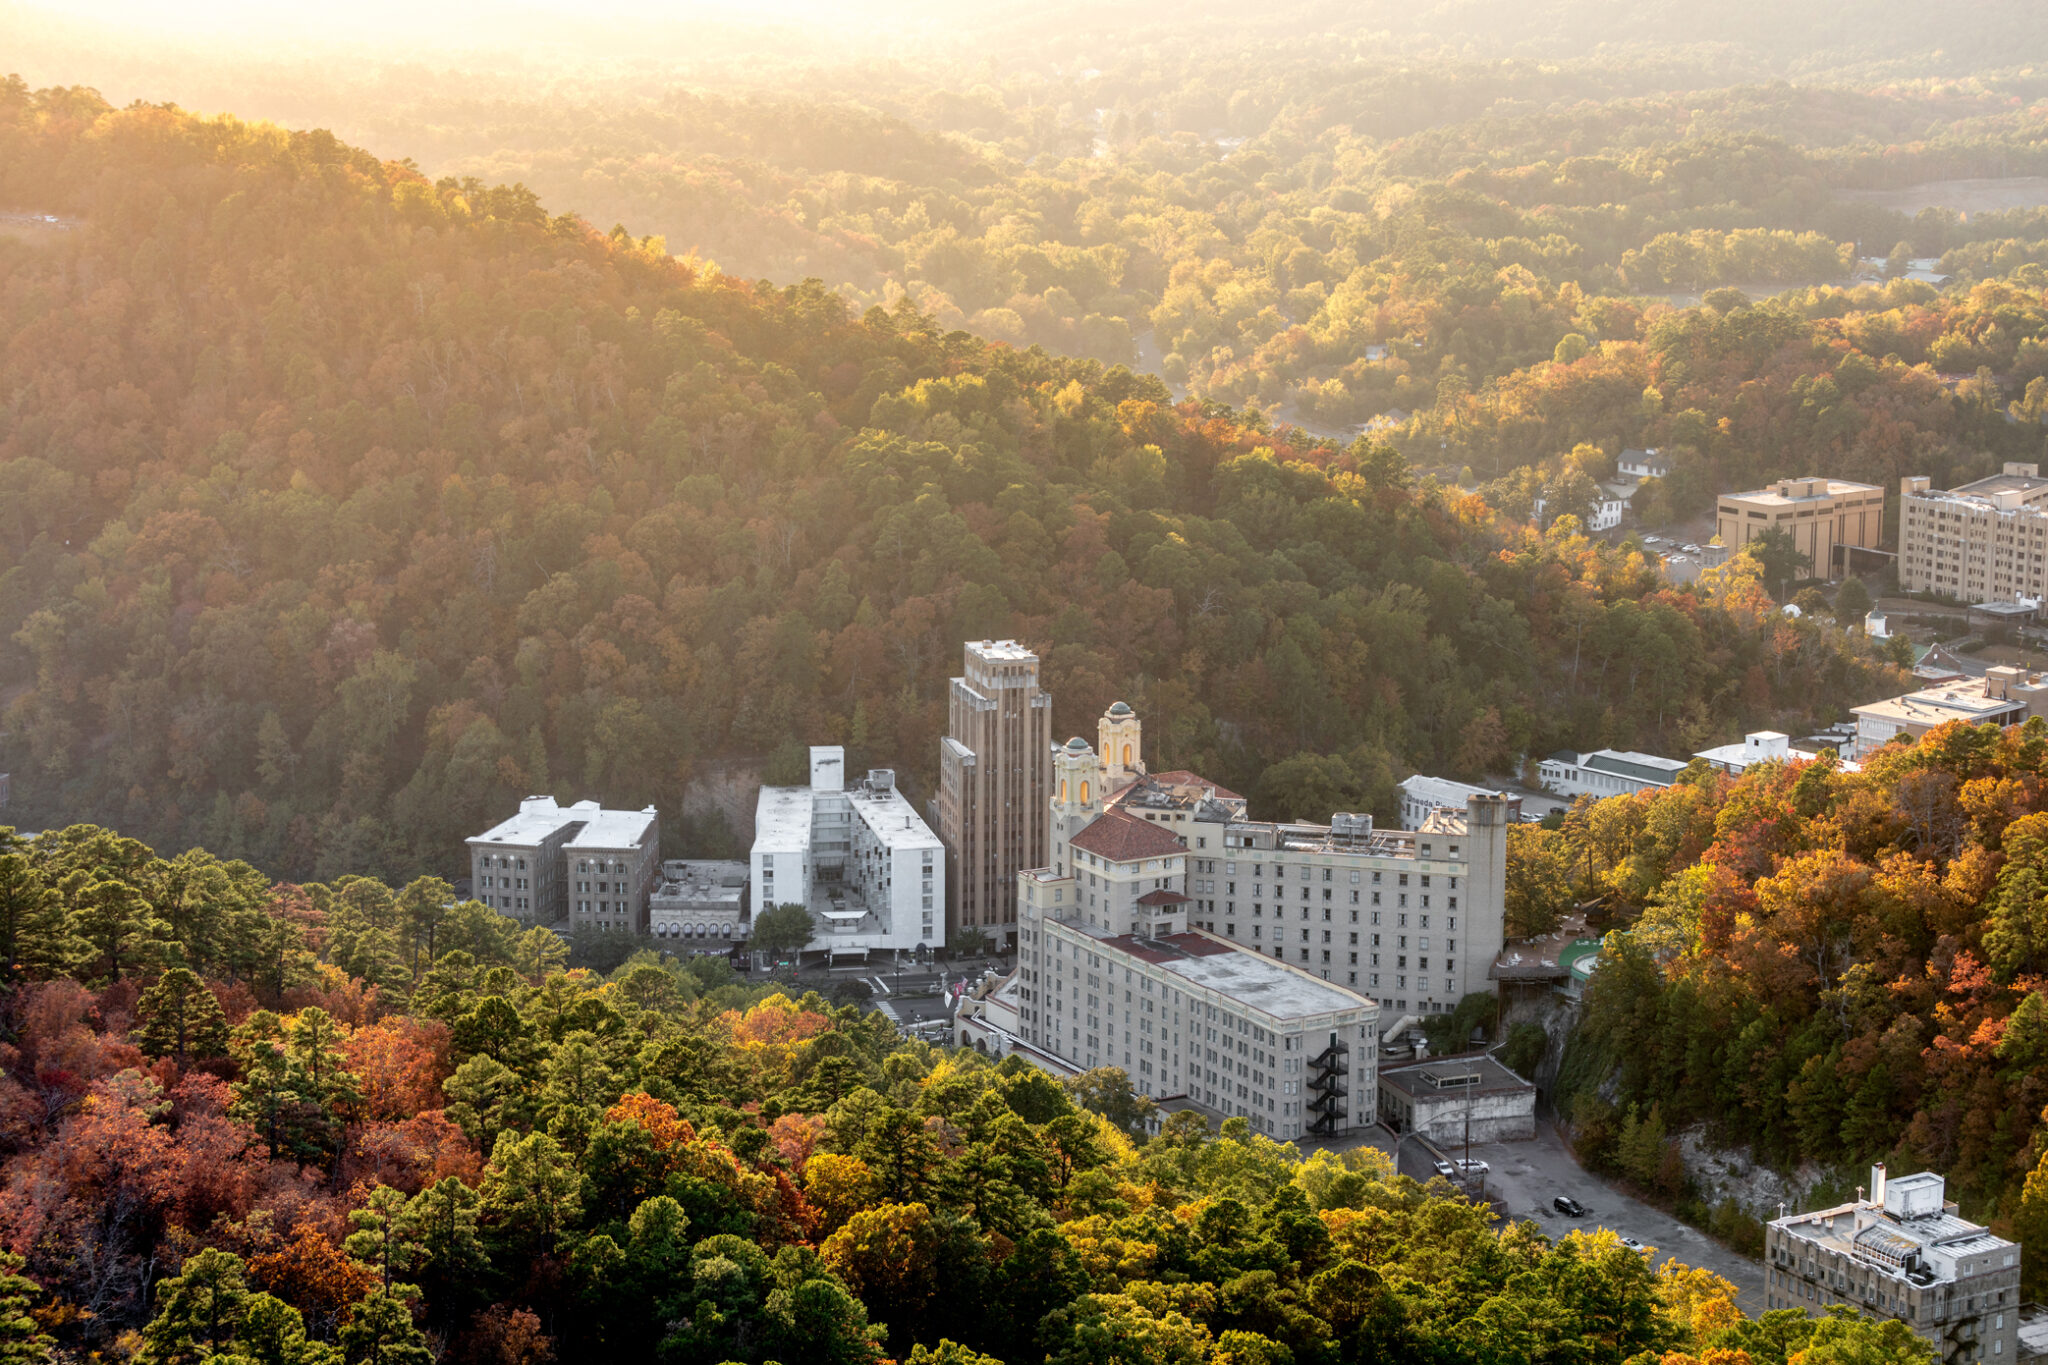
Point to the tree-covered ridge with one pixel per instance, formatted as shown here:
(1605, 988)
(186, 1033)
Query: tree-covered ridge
(452, 1148)
(1269, 219)
(1828, 966)
(340, 509)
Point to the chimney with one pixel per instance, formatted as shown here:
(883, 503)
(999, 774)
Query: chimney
(1877, 1184)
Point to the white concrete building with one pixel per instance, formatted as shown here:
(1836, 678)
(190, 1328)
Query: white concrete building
(700, 905)
(1606, 772)
(1902, 1253)
(579, 866)
(1110, 974)
(870, 871)
(1422, 796)
(1762, 746)
(2004, 696)
(1413, 918)
(1445, 1099)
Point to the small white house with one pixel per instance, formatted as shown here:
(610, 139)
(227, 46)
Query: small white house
(1606, 772)
(1643, 464)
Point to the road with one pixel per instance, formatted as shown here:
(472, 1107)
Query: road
(1525, 1176)
(918, 993)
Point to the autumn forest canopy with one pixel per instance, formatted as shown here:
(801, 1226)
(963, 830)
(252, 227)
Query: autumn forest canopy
(384, 438)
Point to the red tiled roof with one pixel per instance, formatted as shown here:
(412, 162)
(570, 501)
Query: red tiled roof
(1124, 838)
(1181, 777)
(1161, 897)
(1171, 946)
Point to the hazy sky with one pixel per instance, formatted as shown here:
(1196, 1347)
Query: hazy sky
(467, 22)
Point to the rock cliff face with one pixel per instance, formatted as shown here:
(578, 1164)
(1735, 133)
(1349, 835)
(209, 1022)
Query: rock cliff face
(730, 788)
(1556, 1016)
(1721, 1174)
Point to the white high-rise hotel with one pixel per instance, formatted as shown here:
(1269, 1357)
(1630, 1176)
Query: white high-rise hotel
(1120, 965)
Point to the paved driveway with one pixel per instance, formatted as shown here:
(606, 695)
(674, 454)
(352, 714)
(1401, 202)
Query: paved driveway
(1525, 1176)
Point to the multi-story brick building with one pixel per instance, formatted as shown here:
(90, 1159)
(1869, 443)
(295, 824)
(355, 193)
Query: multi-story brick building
(577, 866)
(994, 763)
(1902, 1253)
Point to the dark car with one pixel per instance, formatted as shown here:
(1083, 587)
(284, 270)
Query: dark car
(1568, 1206)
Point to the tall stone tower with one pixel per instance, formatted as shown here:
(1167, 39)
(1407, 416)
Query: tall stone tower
(1077, 792)
(1119, 739)
(995, 767)
(1484, 932)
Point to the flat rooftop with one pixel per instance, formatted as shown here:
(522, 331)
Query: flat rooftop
(891, 818)
(1001, 651)
(702, 882)
(1823, 488)
(782, 819)
(1933, 705)
(593, 826)
(1265, 984)
(1290, 837)
(1438, 1078)
(613, 829)
(1882, 1240)
(1998, 483)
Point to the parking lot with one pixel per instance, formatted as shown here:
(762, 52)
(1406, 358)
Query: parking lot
(1524, 1177)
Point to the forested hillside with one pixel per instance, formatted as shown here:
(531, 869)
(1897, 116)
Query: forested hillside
(1257, 206)
(339, 508)
(1825, 966)
(219, 1143)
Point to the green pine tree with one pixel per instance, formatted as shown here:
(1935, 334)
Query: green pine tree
(381, 1332)
(179, 1017)
(22, 1340)
(197, 1311)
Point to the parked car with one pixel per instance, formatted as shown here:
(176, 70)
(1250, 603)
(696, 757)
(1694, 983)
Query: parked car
(1444, 1168)
(1568, 1206)
(1472, 1166)
(1632, 1244)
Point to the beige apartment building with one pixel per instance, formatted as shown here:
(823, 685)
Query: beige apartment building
(1111, 973)
(1985, 541)
(1822, 515)
(995, 773)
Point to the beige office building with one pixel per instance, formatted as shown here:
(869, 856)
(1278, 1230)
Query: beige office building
(1822, 516)
(995, 774)
(1986, 541)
